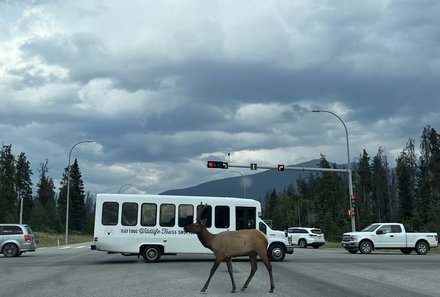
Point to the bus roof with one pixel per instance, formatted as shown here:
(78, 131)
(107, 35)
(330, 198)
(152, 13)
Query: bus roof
(176, 199)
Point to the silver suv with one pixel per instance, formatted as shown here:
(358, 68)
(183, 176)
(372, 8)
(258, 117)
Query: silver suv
(306, 237)
(15, 239)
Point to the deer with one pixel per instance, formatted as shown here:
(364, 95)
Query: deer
(228, 244)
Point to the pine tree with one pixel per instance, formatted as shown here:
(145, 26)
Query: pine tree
(77, 208)
(8, 197)
(45, 203)
(23, 186)
(283, 211)
(406, 173)
(332, 201)
(424, 194)
(271, 202)
(307, 195)
(362, 188)
(429, 180)
(380, 187)
(90, 210)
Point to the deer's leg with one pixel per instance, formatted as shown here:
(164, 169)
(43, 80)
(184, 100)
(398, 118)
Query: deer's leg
(229, 263)
(213, 269)
(266, 262)
(254, 267)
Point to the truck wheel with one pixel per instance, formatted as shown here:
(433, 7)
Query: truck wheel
(365, 247)
(276, 253)
(151, 253)
(422, 247)
(302, 243)
(406, 251)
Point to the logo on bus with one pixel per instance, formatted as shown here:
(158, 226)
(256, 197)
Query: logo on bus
(109, 231)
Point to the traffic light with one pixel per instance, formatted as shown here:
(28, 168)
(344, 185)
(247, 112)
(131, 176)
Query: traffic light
(353, 200)
(217, 164)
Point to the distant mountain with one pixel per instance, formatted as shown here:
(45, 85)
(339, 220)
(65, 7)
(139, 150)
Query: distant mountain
(257, 184)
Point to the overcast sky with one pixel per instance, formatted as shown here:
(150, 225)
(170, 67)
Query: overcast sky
(163, 86)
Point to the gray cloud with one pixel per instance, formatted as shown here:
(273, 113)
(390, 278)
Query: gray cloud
(162, 85)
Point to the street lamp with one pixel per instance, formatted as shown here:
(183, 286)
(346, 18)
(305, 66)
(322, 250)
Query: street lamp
(68, 186)
(244, 181)
(350, 181)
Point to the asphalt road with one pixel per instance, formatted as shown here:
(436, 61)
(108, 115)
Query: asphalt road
(75, 270)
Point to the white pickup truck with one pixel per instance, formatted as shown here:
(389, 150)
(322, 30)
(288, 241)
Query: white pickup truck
(388, 236)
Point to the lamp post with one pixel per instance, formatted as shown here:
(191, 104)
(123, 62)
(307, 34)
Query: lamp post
(350, 181)
(244, 181)
(21, 207)
(68, 187)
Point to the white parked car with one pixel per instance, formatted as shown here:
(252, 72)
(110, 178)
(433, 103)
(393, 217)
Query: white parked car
(304, 237)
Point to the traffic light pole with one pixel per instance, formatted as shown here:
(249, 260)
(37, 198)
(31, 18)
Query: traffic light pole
(253, 166)
(350, 182)
(281, 167)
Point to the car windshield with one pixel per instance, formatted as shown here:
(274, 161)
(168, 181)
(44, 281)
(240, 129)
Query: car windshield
(316, 231)
(370, 228)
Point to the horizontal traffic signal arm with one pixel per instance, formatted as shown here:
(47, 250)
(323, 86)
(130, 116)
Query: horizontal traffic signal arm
(290, 168)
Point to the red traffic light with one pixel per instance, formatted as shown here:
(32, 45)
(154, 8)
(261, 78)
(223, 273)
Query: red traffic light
(217, 164)
(353, 197)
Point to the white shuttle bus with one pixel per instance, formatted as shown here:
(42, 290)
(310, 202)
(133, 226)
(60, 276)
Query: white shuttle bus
(152, 225)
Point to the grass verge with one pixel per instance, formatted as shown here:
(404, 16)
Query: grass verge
(45, 239)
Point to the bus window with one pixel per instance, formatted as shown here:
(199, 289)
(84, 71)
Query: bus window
(110, 213)
(167, 215)
(245, 217)
(129, 214)
(186, 215)
(207, 214)
(222, 216)
(148, 216)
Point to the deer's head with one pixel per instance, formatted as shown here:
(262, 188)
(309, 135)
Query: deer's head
(199, 224)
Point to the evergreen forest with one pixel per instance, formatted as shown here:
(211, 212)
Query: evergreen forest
(408, 193)
(46, 210)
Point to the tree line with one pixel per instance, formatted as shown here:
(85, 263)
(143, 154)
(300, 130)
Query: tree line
(46, 211)
(408, 193)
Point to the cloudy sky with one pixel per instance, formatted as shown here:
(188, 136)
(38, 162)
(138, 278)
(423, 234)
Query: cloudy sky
(163, 86)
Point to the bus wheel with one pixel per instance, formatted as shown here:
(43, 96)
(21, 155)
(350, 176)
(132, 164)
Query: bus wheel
(276, 253)
(151, 253)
